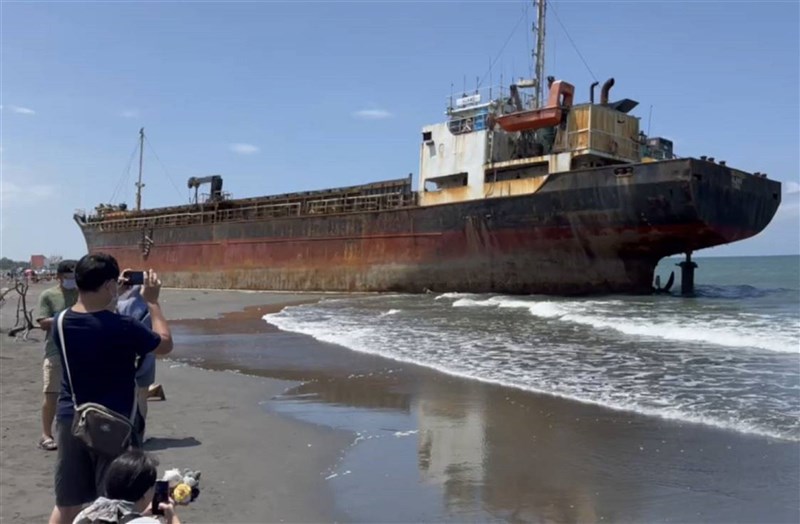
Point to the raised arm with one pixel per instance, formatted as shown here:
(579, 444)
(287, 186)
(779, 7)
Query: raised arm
(150, 292)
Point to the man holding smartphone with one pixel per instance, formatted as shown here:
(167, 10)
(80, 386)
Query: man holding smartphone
(101, 348)
(133, 305)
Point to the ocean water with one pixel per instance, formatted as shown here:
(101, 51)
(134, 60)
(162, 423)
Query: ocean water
(729, 357)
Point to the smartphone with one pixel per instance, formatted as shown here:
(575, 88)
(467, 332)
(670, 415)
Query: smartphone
(134, 278)
(161, 495)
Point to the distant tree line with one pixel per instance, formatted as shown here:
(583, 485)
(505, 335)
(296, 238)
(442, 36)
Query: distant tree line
(7, 264)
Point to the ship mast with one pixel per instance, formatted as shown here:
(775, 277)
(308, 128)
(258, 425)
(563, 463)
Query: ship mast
(538, 52)
(139, 184)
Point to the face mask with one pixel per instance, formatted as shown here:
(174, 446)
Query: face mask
(68, 283)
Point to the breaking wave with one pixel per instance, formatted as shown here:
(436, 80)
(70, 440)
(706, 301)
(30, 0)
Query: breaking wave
(729, 363)
(730, 332)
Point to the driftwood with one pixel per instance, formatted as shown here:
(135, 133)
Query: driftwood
(3, 293)
(24, 321)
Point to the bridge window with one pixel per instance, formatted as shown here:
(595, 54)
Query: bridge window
(461, 126)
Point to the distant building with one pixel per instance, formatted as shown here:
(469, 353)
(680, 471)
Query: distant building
(38, 261)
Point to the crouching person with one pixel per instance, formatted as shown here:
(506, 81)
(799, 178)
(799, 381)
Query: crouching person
(98, 350)
(129, 486)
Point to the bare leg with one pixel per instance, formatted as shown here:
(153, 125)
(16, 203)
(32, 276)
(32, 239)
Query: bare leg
(142, 396)
(49, 405)
(64, 514)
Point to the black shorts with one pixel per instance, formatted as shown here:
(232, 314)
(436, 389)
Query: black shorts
(79, 470)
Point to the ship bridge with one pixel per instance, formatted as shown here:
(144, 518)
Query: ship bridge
(495, 143)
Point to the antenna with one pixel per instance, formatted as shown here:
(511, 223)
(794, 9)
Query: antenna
(513, 70)
(538, 53)
(139, 184)
(451, 95)
(491, 82)
(554, 42)
(649, 119)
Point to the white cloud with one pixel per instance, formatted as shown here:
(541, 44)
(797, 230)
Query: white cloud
(790, 205)
(372, 114)
(243, 149)
(20, 110)
(24, 194)
(790, 188)
(130, 113)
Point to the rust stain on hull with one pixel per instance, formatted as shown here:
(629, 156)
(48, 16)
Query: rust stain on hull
(581, 233)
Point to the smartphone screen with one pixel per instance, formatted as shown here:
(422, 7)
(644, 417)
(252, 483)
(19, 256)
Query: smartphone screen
(161, 495)
(134, 278)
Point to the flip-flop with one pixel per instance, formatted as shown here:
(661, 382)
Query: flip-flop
(48, 444)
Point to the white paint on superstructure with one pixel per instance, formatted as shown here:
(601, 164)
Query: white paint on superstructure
(452, 162)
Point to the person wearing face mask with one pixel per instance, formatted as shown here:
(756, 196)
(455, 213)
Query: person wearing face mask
(101, 348)
(51, 302)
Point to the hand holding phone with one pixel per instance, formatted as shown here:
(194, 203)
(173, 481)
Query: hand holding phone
(160, 496)
(152, 287)
(133, 278)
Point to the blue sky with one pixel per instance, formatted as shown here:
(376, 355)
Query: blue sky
(282, 97)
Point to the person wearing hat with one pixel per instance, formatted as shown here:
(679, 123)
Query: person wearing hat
(51, 302)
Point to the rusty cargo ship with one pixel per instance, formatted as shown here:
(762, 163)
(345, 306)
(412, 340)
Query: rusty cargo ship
(515, 194)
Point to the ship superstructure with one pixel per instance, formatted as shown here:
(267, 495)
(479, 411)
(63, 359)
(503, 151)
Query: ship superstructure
(520, 190)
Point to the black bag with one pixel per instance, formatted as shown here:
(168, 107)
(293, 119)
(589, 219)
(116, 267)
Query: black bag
(103, 430)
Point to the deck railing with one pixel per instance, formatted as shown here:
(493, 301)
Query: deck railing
(260, 211)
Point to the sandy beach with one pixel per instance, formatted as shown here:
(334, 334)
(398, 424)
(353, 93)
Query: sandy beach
(256, 467)
(287, 428)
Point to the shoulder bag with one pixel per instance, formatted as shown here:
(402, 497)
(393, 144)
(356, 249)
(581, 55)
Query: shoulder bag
(103, 430)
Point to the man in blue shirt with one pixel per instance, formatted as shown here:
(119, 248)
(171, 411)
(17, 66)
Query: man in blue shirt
(133, 305)
(101, 349)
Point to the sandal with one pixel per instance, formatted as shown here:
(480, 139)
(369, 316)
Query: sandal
(48, 444)
(156, 391)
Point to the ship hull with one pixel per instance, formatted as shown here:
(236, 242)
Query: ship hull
(592, 231)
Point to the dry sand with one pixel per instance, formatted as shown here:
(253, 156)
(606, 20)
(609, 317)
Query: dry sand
(257, 467)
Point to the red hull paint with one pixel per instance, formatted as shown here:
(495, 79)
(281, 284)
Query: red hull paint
(584, 232)
(442, 261)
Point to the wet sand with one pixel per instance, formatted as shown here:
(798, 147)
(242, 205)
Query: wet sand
(256, 467)
(463, 450)
(392, 442)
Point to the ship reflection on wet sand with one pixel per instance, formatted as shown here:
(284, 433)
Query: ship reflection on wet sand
(430, 447)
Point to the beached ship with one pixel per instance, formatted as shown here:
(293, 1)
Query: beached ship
(515, 194)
